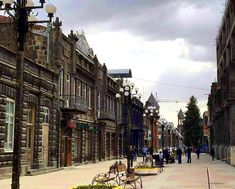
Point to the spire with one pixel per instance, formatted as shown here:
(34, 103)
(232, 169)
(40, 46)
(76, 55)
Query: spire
(181, 114)
(152, 101)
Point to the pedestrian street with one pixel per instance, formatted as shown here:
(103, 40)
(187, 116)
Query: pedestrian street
(184, 176)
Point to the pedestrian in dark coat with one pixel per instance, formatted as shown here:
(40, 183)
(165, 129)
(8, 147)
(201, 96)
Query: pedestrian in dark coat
(189, 151)
(166, 155)
(198, 152)
(212, 152)
(179, 155)
(132, 155)
(135, 153)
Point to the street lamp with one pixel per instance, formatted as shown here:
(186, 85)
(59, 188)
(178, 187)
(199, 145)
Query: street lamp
(128, 92)
(21, 11)
(169, 127)
(152, 113)
(163, 123)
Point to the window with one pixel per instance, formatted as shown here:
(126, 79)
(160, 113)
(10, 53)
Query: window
(68, 84)
(10, 116)
(113, 106)
(98, 104)
(30, 126)
(46, 115)
(89, 96)
(107, 103)
(79, 88)
(61, 82)
(84, 90)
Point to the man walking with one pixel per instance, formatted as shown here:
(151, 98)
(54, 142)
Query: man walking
(198, 152)
(189, 151)
(132, 155)
(179, 155)
(161, 161)
(144, 151)
(212, 152)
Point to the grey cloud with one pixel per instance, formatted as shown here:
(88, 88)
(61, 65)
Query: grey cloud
(151, 19)
(187, 84)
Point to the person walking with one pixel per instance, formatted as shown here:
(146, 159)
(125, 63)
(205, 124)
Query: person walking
(144, 151)
(189, 151)
(198, 152)
(135, 153)
(179, 155)
(166, 155)
(212, 152)
(161, 162)
(132, 155)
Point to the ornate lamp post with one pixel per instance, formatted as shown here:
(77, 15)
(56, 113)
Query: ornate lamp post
(169, 128)
(152, 113)
(128, 91)
(21, 11)
(163, 123)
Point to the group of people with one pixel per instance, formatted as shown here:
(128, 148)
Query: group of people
(159, 158)
(166, 154)
(188, 152)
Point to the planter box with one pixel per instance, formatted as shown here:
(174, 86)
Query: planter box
(147, 171)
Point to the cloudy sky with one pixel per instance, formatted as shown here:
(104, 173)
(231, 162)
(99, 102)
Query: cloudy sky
(168, 44)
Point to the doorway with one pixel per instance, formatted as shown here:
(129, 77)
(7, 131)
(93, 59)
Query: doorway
(45, 135)
(30, 127)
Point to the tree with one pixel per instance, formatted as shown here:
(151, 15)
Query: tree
(192, 129)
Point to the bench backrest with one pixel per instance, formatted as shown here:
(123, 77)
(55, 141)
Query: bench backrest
(113, 169)
(121, 168)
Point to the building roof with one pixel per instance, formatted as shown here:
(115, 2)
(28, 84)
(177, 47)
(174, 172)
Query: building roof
(83, 45)
(181, 114)
(152, 100)
(120, 73)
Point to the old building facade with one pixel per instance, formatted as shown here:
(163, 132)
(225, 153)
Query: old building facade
(70, 110)
(38, 145)
(221, 102)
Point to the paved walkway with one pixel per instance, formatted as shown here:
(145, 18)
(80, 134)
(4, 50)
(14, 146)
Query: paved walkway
(175, 176)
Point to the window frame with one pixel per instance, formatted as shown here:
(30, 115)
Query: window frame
(89, 96)
(7, 126)
(46, 114)
(61, 83)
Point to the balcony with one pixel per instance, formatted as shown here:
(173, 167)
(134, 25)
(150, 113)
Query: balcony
(107, 115)
(74, 103)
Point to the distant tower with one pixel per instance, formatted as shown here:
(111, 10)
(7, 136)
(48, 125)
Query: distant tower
(180, 120)
(154, 127)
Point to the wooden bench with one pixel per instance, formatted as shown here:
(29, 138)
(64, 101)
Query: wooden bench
(128, 179)
(118, 174)
(106, 178)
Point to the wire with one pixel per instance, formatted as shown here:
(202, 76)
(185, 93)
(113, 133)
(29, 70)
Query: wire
(161, 83)
(170, 84)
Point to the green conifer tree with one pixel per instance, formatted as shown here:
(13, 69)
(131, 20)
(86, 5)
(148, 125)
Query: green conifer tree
(192, 129)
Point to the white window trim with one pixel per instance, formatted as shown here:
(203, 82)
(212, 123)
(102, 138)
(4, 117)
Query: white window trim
(11, 150)
(44, 115)
(89, 97)
(61, 83)
(68, 83)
